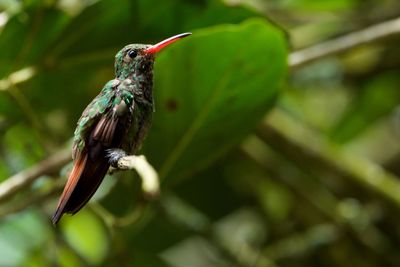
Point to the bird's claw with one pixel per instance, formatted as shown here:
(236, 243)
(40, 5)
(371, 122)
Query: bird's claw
(114, 155)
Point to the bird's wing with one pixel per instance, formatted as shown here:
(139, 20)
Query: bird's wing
(91, 163)
(90, 116)
(90, 167)
(87, 172)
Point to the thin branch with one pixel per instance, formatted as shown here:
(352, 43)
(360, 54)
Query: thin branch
(324, 153)
(113, 221)
(29, 201)
(344, 43)
(149, 176)
(23, 179)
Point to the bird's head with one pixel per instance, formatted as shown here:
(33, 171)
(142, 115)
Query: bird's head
(134, 60)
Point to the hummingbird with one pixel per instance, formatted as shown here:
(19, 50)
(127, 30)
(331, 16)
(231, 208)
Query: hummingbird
(112, 125)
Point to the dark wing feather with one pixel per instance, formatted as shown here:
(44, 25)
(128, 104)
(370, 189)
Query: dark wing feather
(101, 127)
(90, 167)
(73, 179)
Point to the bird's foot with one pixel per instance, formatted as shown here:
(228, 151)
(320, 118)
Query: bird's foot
(114, 155)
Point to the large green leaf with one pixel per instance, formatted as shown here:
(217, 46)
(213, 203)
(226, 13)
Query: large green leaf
(211, 91)
(179, 16)
(80, 48)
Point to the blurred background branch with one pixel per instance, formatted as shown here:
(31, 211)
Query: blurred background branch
(25, 178)
(291, 137)
(344, 43)
(272, 170)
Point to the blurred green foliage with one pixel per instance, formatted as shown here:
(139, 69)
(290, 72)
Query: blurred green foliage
(259, 166)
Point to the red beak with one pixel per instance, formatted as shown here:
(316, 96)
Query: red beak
(157, 47)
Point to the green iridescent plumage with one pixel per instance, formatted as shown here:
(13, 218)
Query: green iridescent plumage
(133, 85)
(95, 108)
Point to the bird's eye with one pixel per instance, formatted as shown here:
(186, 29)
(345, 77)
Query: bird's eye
(132, 53)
